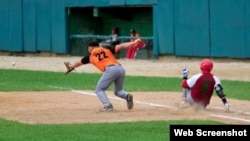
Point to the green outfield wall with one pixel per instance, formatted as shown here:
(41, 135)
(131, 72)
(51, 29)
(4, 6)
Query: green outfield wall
(193, 28)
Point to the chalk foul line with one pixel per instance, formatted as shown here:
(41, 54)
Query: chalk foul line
(164, 106)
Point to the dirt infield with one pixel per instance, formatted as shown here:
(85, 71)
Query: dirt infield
(83, 106)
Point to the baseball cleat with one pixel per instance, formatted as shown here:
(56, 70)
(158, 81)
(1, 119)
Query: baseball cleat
(130, 103)
(107, 108)
(184, 104)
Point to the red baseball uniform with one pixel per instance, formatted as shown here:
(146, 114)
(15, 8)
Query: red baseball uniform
(201, 87)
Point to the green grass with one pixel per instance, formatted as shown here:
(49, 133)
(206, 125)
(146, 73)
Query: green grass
(122, 131)
(23, 80)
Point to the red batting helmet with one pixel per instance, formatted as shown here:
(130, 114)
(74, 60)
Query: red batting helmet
(206, 65)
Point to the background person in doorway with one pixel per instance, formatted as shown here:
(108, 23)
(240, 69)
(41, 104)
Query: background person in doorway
(132, 51)
(114, 37)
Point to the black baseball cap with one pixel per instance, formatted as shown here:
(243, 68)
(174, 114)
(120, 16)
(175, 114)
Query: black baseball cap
(93, 43)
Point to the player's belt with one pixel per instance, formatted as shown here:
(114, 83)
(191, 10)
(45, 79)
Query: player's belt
(113, 65)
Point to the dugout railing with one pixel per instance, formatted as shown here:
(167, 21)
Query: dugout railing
(79, 42)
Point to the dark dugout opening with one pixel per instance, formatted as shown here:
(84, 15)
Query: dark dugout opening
(98, 22)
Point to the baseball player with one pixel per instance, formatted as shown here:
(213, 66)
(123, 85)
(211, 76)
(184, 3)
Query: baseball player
(132, 52)
(112, 71)
(198, 89)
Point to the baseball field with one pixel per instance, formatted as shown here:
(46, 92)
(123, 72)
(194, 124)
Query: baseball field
(82, 106)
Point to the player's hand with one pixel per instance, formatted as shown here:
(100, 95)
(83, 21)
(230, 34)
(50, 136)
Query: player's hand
(226, 107)
(137, 40)
(69, 68)
(185, 73)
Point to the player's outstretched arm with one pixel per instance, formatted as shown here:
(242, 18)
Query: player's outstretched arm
(219, 91)
(76, 64)
(127, 44)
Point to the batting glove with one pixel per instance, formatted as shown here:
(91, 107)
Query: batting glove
(185, 73)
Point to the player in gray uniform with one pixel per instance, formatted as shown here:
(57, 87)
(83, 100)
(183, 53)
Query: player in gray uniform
(113, 72)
